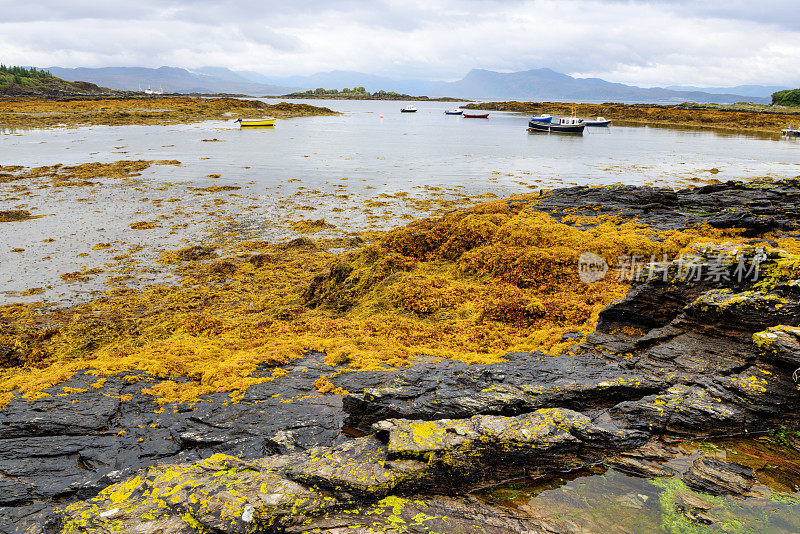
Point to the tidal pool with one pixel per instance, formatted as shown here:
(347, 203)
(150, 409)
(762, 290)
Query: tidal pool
(611, 501)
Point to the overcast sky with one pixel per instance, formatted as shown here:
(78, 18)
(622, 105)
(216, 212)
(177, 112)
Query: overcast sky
(655, 42)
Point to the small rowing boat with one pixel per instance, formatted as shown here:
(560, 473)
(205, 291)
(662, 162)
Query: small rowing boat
(563, 125)
(247, 123)
(408, 109)
(791, 131)
(476, 116)
(453, 112)
(542, 118)
(599, 121)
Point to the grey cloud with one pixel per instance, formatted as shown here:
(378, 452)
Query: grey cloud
(648, 41)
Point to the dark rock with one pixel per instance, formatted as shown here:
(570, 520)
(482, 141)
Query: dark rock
(53, 450)
(717, 477)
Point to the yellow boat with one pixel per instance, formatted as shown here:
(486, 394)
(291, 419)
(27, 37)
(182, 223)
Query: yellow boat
(246, 123)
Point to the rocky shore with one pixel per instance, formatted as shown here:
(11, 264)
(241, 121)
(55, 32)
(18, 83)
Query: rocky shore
(702, 345)
(690, 115)
(45, 112)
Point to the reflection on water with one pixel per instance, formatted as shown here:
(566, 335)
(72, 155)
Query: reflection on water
(609, 501)
(373, 141)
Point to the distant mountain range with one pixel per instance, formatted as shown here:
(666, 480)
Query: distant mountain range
(171, 79)
(760, 91)
(537, 84)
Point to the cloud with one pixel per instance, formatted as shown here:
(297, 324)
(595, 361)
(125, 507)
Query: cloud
(643, 42)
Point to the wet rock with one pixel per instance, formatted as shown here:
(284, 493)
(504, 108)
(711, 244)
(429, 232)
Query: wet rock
(781, 343)
(228, 494)
(523, 383)
(437, 513)
(649, 460)
(69, 446)
(718, 477)
(755, 206)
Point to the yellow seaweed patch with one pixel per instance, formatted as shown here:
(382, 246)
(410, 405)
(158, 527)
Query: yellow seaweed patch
(473, 285)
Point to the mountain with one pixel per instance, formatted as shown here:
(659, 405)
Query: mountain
(760, 91)
(546, 84)
(537, 84)
(171, 79)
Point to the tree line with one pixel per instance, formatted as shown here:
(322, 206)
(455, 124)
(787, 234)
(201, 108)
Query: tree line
(18, 73)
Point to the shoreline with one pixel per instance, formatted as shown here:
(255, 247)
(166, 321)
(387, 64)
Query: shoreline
(695, 116)
(388, 98)
(41, 113)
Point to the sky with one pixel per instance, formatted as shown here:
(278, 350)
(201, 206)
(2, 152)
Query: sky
(640, 42)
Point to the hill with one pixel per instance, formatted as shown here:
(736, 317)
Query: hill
(536, 84)
(789, 97)
(172, 80)
(22, 81)
(758, 91)
(546, 84)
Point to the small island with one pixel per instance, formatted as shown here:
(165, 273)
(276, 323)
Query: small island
(360, 93)
(788, 98)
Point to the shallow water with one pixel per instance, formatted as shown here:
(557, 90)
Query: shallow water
(610, 501)
(334, 168)
(373, 141)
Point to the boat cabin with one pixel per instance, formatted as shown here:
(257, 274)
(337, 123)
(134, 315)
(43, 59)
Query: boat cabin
(570, 121)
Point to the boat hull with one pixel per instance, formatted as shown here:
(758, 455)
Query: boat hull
(408, 111)
(597, 123)
(251, 123)
(453, 112)
(534, 126)
(471, 116)
(542, 119)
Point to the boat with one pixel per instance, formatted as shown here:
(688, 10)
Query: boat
(563, 125)
(408, 109)
(599, 121)
(476, 116)
(453, 112)
(248, 123)
(542, 118)
(791, 131)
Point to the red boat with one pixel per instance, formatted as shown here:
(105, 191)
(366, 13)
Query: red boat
(473, 116)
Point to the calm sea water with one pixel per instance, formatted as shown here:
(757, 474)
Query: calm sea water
(373, 141)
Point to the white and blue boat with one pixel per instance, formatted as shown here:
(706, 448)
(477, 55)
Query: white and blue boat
(542, 118)
(599, 121)
(563, 125)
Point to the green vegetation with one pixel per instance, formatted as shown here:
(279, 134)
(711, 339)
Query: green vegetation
(23, 81)
(22, 75)
(789, 97)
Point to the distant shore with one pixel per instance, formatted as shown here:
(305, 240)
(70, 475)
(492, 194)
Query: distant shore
(753, 118)
(371, 97)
